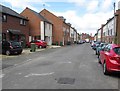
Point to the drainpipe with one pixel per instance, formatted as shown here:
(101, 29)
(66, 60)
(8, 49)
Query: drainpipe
(44, 30)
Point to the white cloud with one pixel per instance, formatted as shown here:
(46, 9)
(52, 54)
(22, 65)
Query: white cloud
(77, 2)
(89, 23)
(92, 6)
(106, 4)
(20, 4)
(98, 12)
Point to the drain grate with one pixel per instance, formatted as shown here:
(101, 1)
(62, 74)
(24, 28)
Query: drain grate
(66, 80)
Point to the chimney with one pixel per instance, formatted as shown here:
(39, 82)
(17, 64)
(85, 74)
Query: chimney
(69, 24)
(62, 18)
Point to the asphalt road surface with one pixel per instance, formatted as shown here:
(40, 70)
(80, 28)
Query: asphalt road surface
(70, 67)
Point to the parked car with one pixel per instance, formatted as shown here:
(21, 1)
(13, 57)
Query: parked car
(92, 43)
(99, 47)
(110, 58)
(39, 43)
(102, 47)
(96, 44)
(80, 42)
(11, 47)
(68, 43)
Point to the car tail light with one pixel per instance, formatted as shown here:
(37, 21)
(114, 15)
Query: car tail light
(115, 58)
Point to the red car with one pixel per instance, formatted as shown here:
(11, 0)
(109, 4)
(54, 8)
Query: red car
(39, 43)
(110, 58)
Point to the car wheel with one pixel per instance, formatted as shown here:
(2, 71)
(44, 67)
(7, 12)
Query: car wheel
(7, 53)
(95, 52)
(20, 53)
(105, 71)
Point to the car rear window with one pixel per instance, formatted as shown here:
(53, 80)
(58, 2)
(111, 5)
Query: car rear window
(117, 50)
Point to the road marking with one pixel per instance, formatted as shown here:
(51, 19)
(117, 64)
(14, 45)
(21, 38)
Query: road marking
(28, 59)
(65, 62)
(2, 75)
(15, 64)
(43, 74)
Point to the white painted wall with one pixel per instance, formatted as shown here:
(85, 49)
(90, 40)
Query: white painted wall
(48, 32)
(75, 38)
(42, 30)
(71, 33)
(48, 29)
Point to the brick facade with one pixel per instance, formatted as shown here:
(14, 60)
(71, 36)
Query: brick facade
(118, 26)
(34, 22)
(58, 34)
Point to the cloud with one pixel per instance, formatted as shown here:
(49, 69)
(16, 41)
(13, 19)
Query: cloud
(77, 2)
(92, 6)
(96, 12)
(88, 23)
(106, 4)
(20, 4)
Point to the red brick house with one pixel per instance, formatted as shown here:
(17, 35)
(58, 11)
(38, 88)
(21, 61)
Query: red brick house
(14, 26)
(40, 27)
(59, 27)
(66, 30)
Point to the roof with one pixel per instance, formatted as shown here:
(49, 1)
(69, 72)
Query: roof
(11, 12)
(39, 15)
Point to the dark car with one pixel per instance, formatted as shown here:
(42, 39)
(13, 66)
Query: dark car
(99, 48)
(95, 45)
(11, 47)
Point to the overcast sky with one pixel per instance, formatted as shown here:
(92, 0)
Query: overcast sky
(85, 15)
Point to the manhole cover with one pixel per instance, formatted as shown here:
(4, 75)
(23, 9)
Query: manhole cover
(66, 80)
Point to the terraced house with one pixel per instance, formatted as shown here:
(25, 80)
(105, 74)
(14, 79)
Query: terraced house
(14, 26)
(60, 28)
(40, 27)
(118, 26)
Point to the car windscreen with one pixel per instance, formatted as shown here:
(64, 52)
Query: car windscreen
(117, 50)
(15, 43)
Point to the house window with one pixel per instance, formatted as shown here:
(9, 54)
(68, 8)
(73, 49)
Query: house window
(22, 22)
(4, 18)
(111, 32)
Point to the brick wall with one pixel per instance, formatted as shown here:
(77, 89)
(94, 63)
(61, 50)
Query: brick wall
(118, 26)
(57, 25)
(14, 23)
(34, 22)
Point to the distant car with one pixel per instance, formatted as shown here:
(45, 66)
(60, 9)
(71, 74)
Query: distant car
(80, 42)
(39, 43)
(92, 43)
(11, 47)
(110, 58)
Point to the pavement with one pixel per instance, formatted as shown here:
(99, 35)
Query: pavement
(27, 51)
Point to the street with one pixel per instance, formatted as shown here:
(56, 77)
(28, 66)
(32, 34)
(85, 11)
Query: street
(68, 67)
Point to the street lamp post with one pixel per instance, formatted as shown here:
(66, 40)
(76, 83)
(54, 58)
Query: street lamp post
(115, 33)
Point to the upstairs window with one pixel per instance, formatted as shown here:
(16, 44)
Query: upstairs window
(4, 18)
(22, 22)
